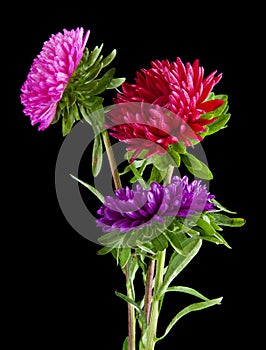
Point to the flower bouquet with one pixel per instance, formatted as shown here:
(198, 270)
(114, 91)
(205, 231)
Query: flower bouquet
(159, 210)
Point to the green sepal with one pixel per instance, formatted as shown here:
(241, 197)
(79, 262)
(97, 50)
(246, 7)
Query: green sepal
(84, 86)
(92, 56)
(104, 82)
(67, 121)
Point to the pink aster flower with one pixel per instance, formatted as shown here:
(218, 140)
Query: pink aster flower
(50, 73)
(180, 88)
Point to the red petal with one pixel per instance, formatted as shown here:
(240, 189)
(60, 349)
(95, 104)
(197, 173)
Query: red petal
(210, 105)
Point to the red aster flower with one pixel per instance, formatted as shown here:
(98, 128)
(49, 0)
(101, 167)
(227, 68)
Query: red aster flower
(175, 87)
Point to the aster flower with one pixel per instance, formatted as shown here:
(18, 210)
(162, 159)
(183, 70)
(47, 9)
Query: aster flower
(134, 209)
(175, 87)
(170, 106)
(62, 81)
(50, 74)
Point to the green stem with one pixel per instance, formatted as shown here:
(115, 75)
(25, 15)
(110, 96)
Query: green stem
(148, 288)
(118, 185)
(131, 314)
(111, 159)
(154, 303)
(152, 329)
(169, 174)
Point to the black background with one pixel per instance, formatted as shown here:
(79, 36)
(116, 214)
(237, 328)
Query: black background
(59, 291)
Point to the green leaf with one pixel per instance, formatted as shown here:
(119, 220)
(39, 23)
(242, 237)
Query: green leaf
(89, 77)
(160, 242)
(136, 306)
(221, 207)
(193, 307)
(178, 262)
(97, 155)
(145, 247)
(108, 59)
(116, 82)
(137, 176)
(206, 226)
(104, 82)
(196, 167)
(67, 121)
(187, 290)
(111, 239)
(225, 220)
(162, 162)
(174, 155)
(104, 250)
(218, 124)
(91, 188)
(177, 148)
(94, 55)
(125, 344)
(124, 256)
(157, 175)
(175, 240)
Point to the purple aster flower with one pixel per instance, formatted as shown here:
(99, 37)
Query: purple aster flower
(134, 209)
(50, 73)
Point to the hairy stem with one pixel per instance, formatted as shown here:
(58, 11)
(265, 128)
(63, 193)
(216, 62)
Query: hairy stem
(152, 329)
(153, 304)
(148, 289)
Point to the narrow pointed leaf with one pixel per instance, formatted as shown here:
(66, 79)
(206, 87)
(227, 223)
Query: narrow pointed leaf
(136, 306)
(221, 207)
(124, 256)
(116, 82)
(94, 55)
(193, 307)
(104, 82)
(104, 250)
(177, 263)
(206, 226)
(187, 290)
(97, 153)
(175, 241)
(108, 59)
(91, 188)
(225, 220)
